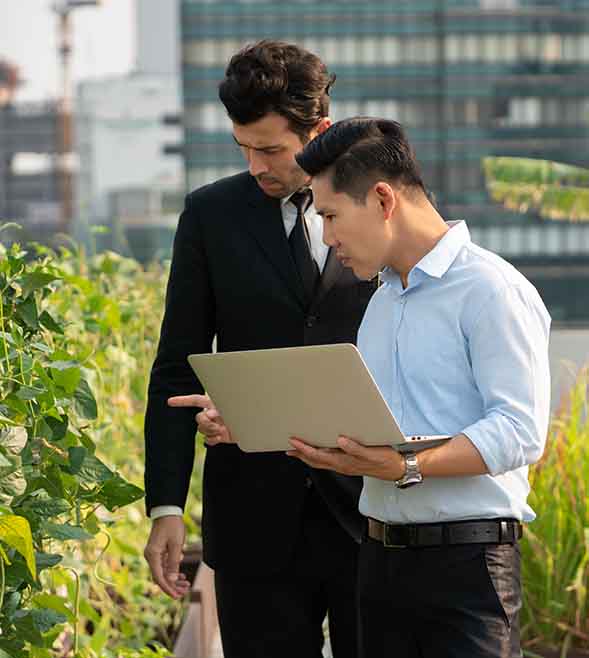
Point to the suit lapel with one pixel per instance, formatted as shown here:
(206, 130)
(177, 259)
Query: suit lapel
(264, 222)
(331, 273)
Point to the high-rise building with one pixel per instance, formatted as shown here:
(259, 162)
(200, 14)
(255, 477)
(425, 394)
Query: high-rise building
(158, 42)
(466, 78)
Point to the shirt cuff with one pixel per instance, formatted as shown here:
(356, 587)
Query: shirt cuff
(165, 510)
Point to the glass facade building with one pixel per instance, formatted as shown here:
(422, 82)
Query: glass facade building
(466, 78)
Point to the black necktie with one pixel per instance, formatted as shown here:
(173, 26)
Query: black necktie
(300, 244)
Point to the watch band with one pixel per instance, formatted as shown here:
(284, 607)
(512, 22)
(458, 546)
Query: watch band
(412, 474)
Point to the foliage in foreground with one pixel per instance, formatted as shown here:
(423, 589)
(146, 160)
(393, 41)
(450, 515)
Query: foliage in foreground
(76, 343)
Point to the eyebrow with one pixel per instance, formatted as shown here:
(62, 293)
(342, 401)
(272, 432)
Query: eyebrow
(256, 148)
(324, 211)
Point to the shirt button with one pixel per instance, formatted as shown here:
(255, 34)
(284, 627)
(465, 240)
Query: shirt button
(308, 482)
(310, 321)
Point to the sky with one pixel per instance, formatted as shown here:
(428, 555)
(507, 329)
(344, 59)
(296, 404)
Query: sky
(103, 42)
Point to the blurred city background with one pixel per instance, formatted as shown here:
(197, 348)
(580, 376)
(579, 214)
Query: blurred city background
(109, 114)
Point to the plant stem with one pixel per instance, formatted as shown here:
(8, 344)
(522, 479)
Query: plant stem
(76, 609)
(2, 582)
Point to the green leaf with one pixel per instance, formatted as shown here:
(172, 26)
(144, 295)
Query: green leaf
(77, 455)
(27, 312)
(45, 620)
(17, 405)
(35, 280)
(65, 531)
(48, 507)
(88, 468)
(52, 482)
(85, 402)
(47, 560)
(30, 392)
(26, 628)
(7, 337)
(91, 524)
(12, 484)
(89, 611)
(41, 347)
(11, 604)
(49, 323)
(4, 654)
(66, 374)
(54, 602)
(117, 492)
(87, 442)
(58, 427)
(15, 531)
(13, 439)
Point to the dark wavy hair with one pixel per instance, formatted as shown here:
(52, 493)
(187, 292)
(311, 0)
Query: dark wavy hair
(360, 151)
(274, 76)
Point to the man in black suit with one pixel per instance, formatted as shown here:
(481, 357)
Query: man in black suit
(250, 268)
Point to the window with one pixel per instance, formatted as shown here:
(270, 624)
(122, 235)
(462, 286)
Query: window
(524, 111)
(453, 48)
(390, 50)
(551, 45)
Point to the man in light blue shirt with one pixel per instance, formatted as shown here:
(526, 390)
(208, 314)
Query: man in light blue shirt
(457, 341)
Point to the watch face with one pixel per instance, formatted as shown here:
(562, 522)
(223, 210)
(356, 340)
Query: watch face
(409, 483)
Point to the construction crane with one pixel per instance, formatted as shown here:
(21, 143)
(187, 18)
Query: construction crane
(63, 9)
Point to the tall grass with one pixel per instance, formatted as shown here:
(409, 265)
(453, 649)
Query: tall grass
(555, 547)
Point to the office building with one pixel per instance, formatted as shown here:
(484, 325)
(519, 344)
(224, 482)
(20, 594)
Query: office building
(467, 78)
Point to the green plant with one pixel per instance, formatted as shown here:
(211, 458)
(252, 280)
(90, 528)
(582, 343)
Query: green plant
(554, 190)
(77, 339)
(52, 483)
(555, 549)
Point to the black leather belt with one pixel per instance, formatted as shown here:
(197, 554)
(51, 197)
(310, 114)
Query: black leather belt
(490, 531)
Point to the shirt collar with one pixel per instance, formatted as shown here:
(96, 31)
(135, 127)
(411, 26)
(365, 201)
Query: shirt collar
(286, 199)
(437, 261)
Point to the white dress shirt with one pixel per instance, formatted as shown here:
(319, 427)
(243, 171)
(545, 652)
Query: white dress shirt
(319, 250)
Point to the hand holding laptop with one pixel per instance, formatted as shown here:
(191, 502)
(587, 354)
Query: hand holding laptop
(210, 422)
(351, 458)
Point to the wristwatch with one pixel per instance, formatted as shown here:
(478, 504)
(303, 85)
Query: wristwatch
(412, 473)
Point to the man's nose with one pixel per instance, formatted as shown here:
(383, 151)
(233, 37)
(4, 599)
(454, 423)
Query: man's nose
(328, 235)
(256, 163)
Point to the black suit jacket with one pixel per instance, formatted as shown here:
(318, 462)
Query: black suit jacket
(233, 276)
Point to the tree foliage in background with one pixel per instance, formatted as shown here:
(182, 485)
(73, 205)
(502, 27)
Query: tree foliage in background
(77, 338)
(554, 190)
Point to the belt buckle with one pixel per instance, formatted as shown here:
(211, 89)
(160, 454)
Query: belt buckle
(386, 542)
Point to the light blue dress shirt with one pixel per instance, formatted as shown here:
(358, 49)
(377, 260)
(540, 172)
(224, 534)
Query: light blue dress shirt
(463, 349)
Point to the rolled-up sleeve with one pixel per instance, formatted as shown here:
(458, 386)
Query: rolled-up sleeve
(508, 347)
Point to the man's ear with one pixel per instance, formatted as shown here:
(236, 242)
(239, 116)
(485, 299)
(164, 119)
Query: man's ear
(387, 199)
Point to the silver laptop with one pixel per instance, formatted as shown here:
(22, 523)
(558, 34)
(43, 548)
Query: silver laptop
(316, 393)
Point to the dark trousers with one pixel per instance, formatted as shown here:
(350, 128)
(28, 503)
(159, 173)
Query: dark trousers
(281, 615)
(459, 601)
